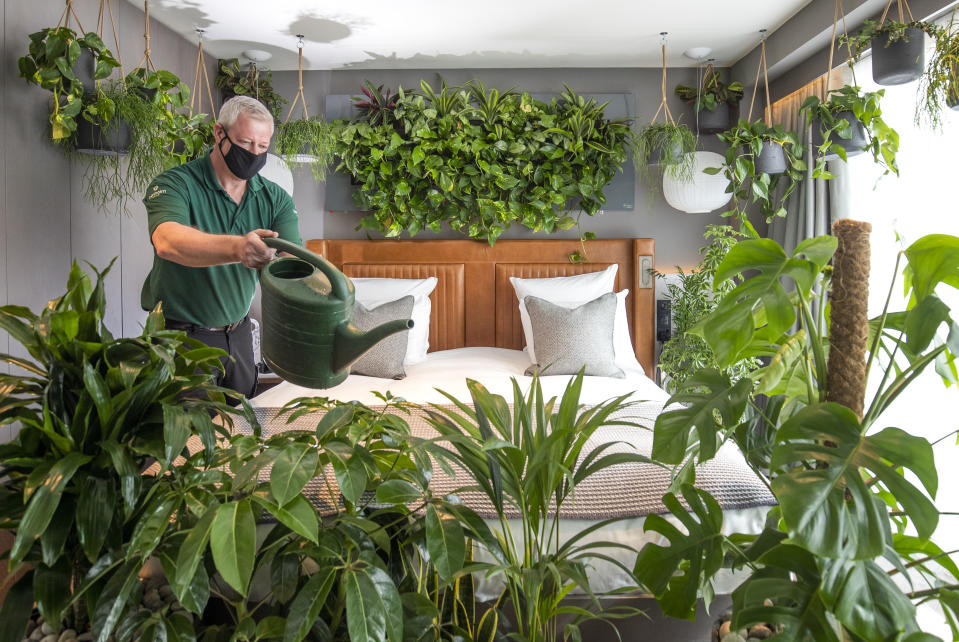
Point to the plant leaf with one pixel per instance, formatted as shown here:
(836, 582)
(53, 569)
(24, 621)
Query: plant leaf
(233, 543)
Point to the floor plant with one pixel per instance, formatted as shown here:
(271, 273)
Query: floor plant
(850, 520)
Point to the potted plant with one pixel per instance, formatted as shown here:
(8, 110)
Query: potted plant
(850, 519)
(898, 48)
(233, 81)
(376, 105)
(711, 100)
(849, 122)
(667, 145)
(759, 161)
(940, 84)
(53, 55)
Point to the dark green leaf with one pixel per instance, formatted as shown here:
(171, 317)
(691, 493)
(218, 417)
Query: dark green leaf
(233, 543)
(292, 469)
(307, 605)
(445, 542)
(16, 609)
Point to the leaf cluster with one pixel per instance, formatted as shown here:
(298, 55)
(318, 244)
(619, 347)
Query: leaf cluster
(888, 33)
(882, 140)
(480, 161)
(712, 92)
(253, 82)
(855, 503)
(668, 145)
(306, 142)
(744, 144)
(940, 83)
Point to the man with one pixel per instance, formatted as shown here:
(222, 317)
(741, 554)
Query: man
(208, 219)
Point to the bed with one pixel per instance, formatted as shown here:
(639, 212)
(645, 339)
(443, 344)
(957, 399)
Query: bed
(475, 331)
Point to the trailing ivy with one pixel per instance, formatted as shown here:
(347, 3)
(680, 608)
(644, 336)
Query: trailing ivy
(480, 161)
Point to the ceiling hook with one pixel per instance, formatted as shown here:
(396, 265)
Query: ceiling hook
(299, 43)
(762, 35)
(662, 36)
(199, 33)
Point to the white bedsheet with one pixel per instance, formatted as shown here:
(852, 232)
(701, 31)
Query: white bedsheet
(494, 368)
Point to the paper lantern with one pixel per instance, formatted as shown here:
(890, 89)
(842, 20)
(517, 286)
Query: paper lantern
(278, 171)
(703, 192)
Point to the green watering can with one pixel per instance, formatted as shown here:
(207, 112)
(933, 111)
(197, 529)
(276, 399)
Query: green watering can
(308, 335)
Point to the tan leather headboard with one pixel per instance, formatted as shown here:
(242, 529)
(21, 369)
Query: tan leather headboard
(474, 303)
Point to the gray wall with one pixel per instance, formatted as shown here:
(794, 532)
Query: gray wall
(678, 236)
(45, 224)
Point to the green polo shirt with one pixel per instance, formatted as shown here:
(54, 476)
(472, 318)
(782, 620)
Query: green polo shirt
(191, 195)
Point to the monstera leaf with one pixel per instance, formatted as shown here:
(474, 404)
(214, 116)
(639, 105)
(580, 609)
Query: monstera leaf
(705, 394)
(761, 305)
(702, 545)
(933, 259)
(828, 508)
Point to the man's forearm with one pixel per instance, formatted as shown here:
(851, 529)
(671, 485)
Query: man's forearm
(193, 248)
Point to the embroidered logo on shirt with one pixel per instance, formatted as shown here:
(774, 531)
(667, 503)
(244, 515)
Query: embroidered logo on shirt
(156, 192)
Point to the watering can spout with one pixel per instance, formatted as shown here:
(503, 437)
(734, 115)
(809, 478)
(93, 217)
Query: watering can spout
(352, 342)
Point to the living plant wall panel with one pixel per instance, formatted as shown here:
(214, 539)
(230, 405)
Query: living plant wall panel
(678, 236)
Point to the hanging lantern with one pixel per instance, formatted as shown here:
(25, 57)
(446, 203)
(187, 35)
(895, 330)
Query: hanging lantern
(703, 192)
(278, 171)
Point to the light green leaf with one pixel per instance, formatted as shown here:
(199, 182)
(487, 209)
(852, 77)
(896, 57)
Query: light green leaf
(233, 543)
(445, 542)
(933, 259)
(293, 468)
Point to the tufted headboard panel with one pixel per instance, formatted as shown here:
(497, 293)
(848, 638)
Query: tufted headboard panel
(474, 303)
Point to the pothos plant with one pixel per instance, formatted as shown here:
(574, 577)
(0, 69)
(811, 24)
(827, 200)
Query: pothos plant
(50, 63)
(712, 92)
(747, 183)
(253, 82)
(481, 165)
(849, 520)
(827, 116)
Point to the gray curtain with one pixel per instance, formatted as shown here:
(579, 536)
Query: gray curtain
(816, 203)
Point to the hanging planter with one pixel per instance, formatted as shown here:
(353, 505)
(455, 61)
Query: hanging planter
(703, 192)
(307, 141)
(112, 139)
(772, 158)
(712, 100)
(853, 144)
(895, 62)
(939, 85)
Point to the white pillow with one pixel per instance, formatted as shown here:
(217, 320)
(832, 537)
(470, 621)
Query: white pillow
(374, 292)
(572, 292)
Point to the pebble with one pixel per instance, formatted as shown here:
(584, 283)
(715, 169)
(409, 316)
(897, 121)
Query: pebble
(733, 637)
(166, 591)
(85, 637)
(36, 634)
(724, 629)
(152, 600)
(69, 634)
(46, 628)
(760, 632)
(50, 638)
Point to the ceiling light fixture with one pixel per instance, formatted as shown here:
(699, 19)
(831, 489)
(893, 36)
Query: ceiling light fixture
(257, 55)
(697, 53)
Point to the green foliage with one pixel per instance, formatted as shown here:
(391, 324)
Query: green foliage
(50, 63)
(478, 160)
(686, 352)
(92, 412)
(529, 460)
(712, 92)
(744, 143)
(889, 32)
(312, 138)
(940, 83)
(252, 82)
(377, 108)
(669, 145)
(853, 500)
(882, 140)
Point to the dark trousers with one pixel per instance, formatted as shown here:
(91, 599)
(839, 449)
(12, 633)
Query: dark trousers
(240, 370)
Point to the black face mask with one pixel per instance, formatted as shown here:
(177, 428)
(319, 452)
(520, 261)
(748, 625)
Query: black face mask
(243, 163)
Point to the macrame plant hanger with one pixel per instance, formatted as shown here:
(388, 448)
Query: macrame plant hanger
(64, 21)
(663, 106)
(839, 13)
(101, 23)
(146, 62)
(761, 68)
(904, 11)
(196, 95)
(301, 99)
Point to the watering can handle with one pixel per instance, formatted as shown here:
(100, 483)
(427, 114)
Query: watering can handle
(339, 282)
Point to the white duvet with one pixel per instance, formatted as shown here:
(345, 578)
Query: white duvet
(448, 370)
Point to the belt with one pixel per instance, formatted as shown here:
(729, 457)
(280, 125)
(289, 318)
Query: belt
(173, 324)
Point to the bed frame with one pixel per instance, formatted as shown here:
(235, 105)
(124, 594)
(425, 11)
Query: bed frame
(474, 304)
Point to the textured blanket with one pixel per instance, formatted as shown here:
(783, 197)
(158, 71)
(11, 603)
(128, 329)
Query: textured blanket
(623, 490)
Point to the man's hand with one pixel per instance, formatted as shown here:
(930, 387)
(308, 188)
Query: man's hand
(254, 253)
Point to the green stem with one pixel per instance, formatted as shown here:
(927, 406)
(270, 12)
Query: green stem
(873, 350)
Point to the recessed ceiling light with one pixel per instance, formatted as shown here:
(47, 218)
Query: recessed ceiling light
(257, 55)
(697, 53)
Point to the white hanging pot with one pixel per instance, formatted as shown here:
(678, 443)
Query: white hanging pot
(278, 171)
(703, 192)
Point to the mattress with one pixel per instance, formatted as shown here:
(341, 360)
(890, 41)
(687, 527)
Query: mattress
(744, 498)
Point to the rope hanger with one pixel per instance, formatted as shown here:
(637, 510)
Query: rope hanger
(663, 107)
(837, 12)
(68, 11)
(146, 62)
(299, 92)
(101, 22)
(200, 70)
(761, 67)
(900, 4)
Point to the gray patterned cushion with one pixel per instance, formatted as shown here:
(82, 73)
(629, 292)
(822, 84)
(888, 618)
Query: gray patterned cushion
(385, 359)
(569, 339)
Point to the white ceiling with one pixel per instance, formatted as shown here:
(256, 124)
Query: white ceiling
(475, 34)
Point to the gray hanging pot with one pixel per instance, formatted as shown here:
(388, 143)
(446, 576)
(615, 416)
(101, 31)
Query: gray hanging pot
(952, 97)
(100, 141)
(772, 158)
(84, 68)
(671, 154)
(902, 61)
(854, 145)
(715, 120)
